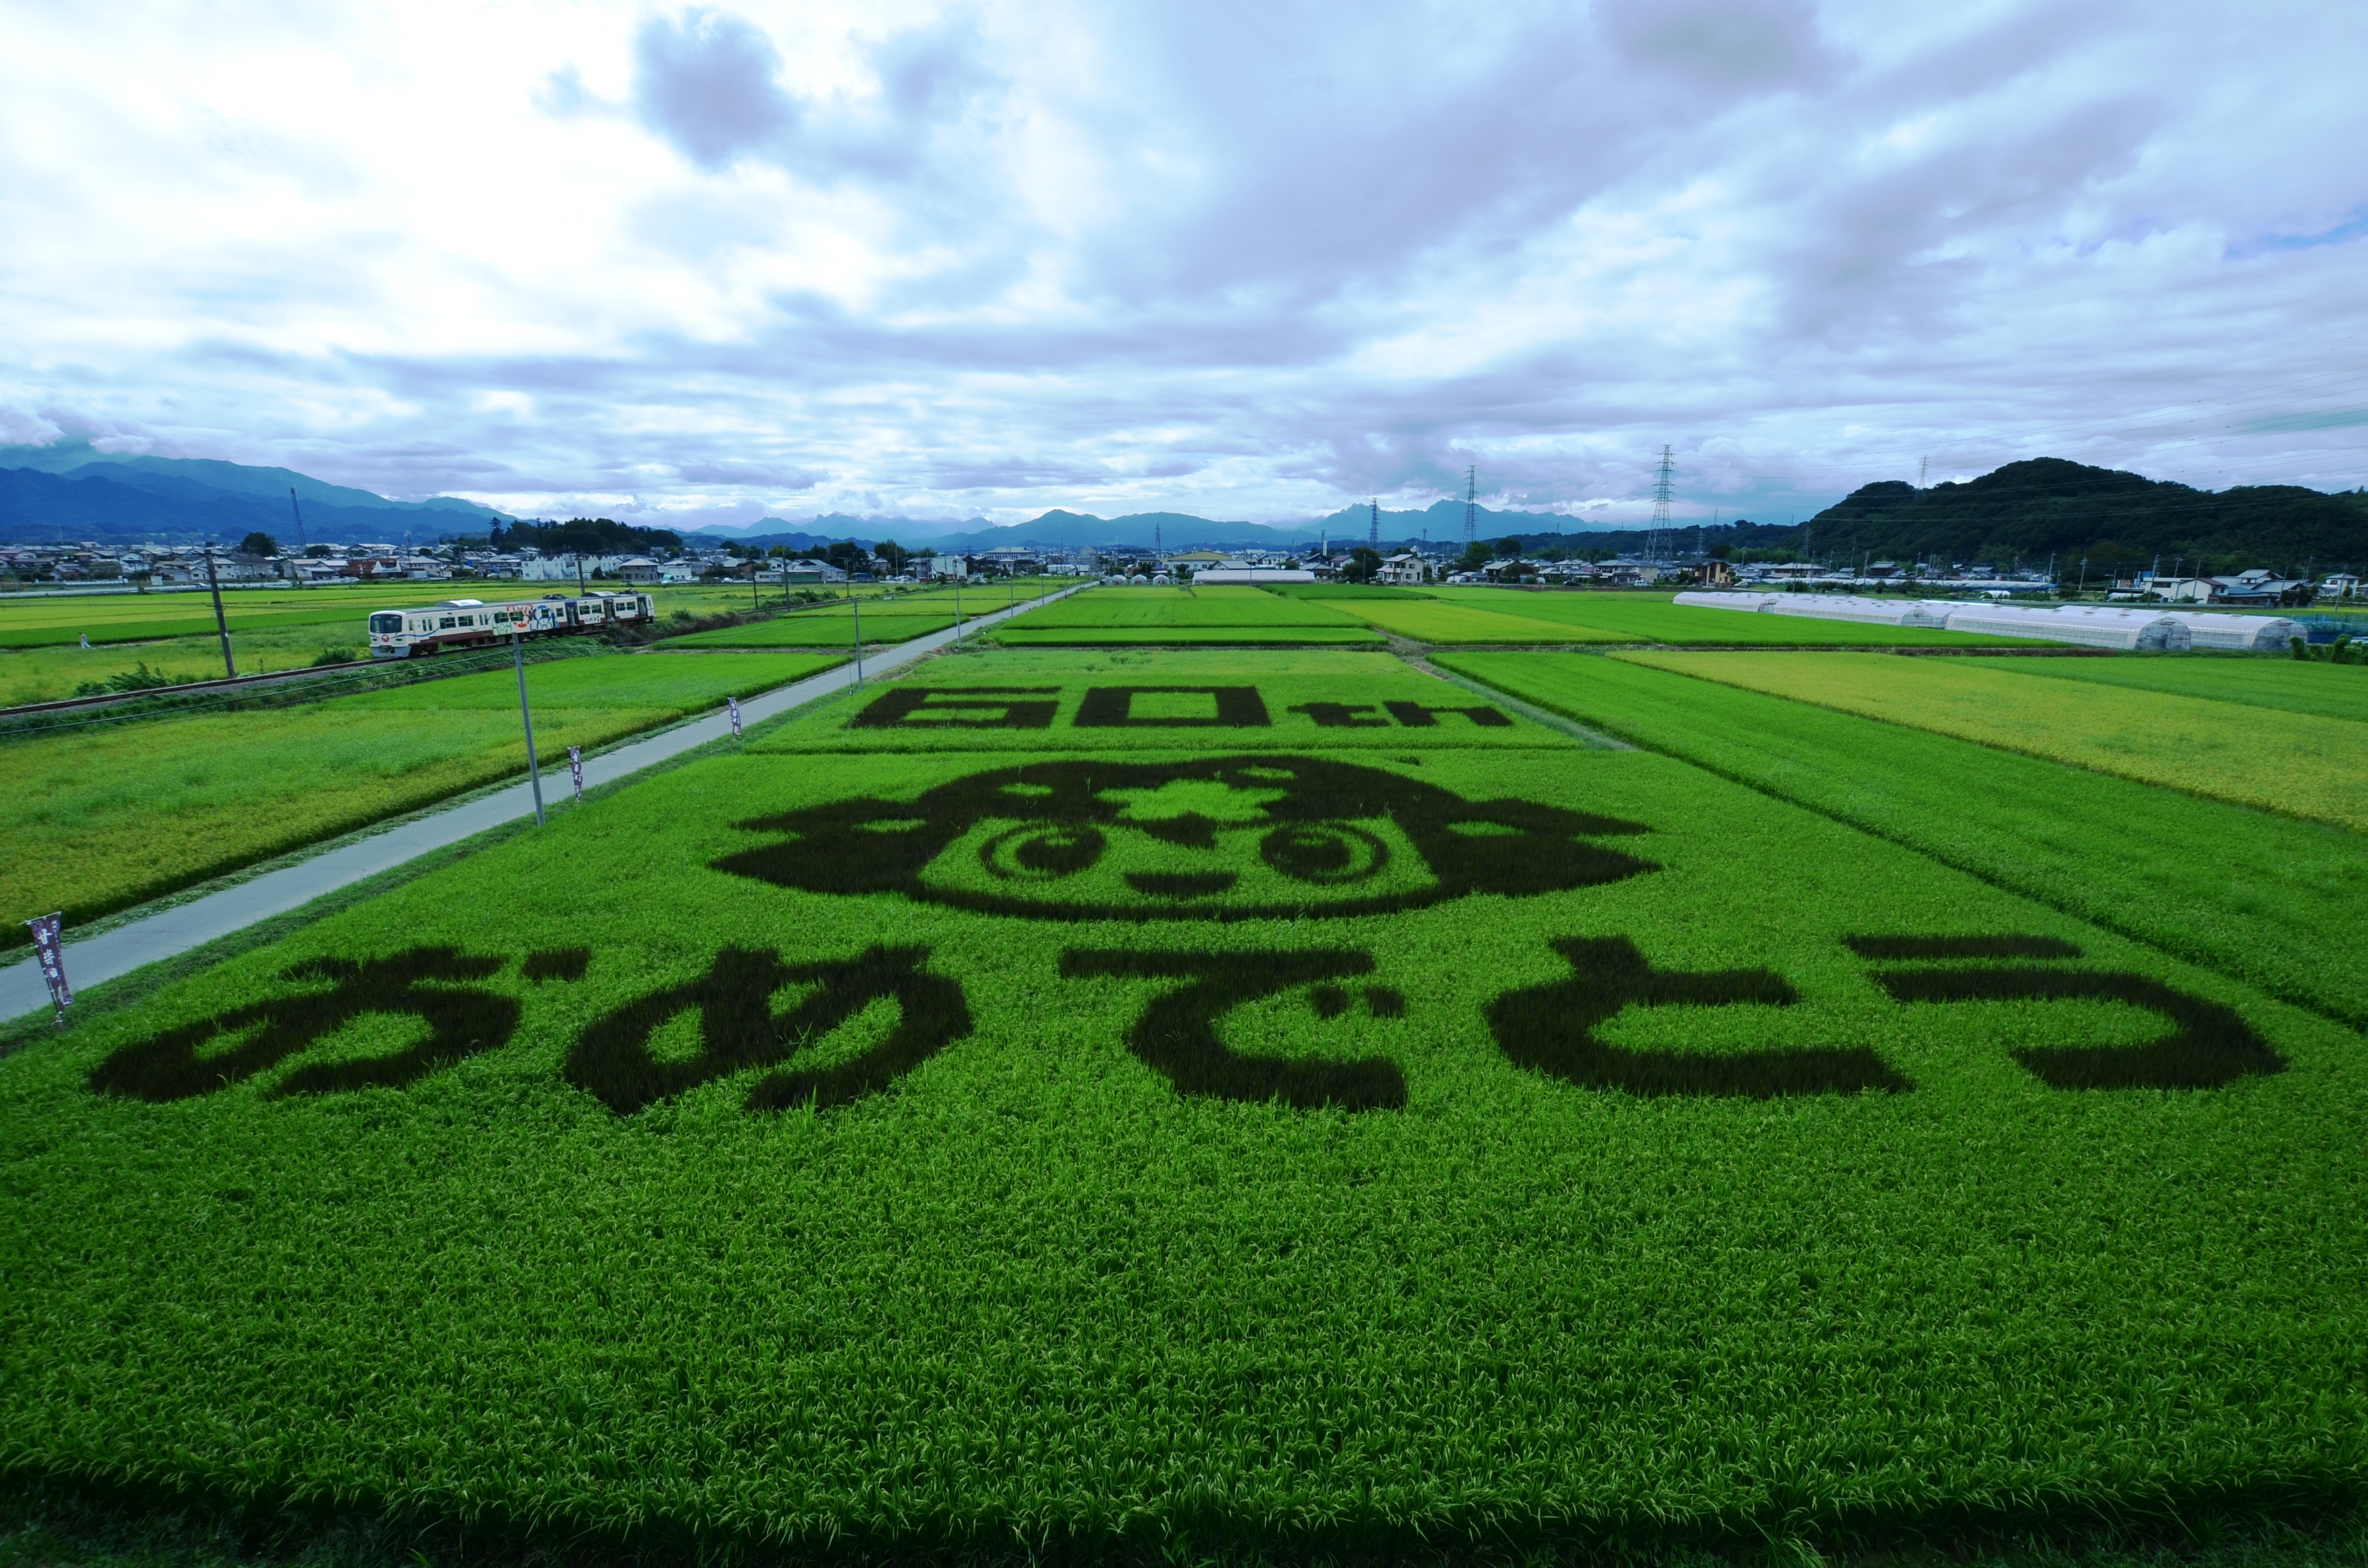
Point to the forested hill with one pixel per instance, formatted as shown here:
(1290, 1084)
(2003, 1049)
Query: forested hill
(2045, 507)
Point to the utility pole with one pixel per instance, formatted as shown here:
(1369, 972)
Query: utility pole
(220, 625)
(526, 716)
(855, 606)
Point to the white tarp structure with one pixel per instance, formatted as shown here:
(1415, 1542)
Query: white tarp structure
(1216, 574)
(2249, 631)
(2095, 626)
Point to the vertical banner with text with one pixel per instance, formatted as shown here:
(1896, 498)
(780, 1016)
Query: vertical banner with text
(51, 954)
(576, 771)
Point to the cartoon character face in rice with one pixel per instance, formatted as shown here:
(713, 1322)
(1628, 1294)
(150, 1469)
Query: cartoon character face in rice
(1215, 838)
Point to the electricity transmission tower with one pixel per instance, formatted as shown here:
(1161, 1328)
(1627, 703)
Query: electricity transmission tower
(1471, 506)
(1661, 493)
(301, 548)
(1373, 533)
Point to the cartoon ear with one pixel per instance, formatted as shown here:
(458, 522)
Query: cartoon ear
(850, 847)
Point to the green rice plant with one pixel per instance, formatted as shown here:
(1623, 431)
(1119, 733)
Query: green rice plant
(1165, 699)
(1020, 634)
(2274, 901)
(1438, 620)
(53, 673)
(1655, 617)
(1222, 606)
(813, 630)
(1327, 1233)
(2301, 766)
(1343, 591)
(105, 818)
(2244, 678)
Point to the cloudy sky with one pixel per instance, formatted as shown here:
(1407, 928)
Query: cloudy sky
(1249, 260)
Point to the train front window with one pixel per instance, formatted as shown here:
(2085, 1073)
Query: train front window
(386, 623)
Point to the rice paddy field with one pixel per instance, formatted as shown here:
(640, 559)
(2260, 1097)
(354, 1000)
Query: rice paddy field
(109, 815)
(1225, 613)
(1307, 613)
(1193, 1103)
(172, 635)
(1613, 617)
(2305, 764)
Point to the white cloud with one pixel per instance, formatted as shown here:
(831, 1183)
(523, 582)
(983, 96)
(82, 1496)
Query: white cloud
(1242, 259)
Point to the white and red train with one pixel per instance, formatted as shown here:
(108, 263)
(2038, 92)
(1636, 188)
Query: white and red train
(481, 623)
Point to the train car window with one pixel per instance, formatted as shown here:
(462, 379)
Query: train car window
(445, 624)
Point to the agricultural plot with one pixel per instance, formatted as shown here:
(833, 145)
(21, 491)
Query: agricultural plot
(1437, 621)
(109, 816)
(2329, 692)
(1221, 614)
(1017, 634)
(1654, 617)
(1320, 591)
(1246, 1144)
(128, 618)
(135, 618)
(2279, 903)
(1164, 700)
(812, 630)
(53, 673)
(2274, 760)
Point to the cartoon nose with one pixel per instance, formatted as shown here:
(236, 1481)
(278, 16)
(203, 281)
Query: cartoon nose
(1181, 884)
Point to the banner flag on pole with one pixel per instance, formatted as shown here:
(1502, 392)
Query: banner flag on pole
(732, 705)
(52, 959)
(576, 770)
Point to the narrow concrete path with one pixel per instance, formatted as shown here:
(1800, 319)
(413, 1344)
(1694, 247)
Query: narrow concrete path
(95, 959)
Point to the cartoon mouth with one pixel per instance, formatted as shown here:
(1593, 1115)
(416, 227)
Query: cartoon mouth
(1181, 884)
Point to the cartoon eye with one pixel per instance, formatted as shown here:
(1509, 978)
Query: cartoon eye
(1323, 853)
(1042, 852)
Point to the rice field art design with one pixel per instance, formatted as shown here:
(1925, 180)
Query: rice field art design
(1224, 839)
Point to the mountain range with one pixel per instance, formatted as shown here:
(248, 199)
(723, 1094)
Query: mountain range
(1441, 523)
(2026, 511)
(69, 490)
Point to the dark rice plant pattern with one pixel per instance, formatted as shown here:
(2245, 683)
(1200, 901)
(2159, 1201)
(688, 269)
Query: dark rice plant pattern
(962, 708)
(738, 1029)
(461, 1022)
(1067, 815)
(1551, 1029)
(1176, 1034)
